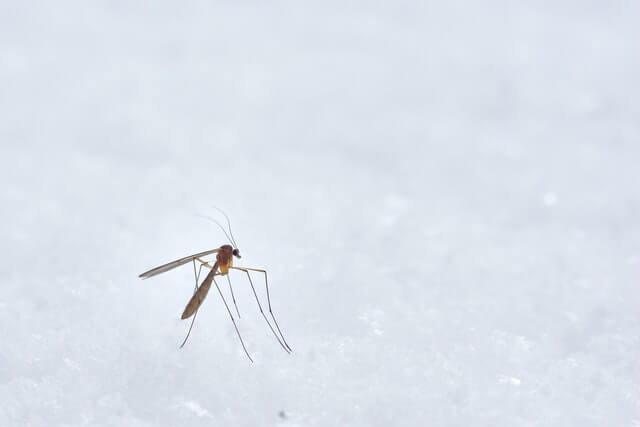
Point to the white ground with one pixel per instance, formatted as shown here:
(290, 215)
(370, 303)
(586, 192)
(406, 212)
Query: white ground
(446, 196)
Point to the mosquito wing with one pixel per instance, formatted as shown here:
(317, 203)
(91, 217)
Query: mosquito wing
(177, 263)
(200, 295)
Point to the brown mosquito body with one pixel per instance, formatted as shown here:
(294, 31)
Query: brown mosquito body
(221, 267)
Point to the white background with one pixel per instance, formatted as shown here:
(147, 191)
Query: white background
(446, 196)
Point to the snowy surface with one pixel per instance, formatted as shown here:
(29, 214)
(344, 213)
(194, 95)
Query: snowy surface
(446, 196)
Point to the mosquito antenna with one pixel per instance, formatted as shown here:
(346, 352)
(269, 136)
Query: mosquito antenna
(219, 225)
(228, 224)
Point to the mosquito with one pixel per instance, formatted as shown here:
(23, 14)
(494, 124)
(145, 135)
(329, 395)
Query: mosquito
(223, 264)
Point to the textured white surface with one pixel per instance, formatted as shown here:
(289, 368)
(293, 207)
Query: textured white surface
(445, 194)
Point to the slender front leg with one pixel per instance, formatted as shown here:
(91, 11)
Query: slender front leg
(266, 284)
(260, 307)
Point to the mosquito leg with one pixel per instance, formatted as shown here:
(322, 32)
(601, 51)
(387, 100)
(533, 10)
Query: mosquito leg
(196, 276)
(266, 284)
(205, 263)
(233, 296)
(232, 319)
(288, 350)
(189, 332)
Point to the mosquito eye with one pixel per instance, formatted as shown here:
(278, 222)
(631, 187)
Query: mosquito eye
(236, 252)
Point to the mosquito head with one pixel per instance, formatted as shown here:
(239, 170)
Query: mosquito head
(236, 253)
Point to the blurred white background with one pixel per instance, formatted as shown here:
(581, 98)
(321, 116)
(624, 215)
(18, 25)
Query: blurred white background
(445, 195)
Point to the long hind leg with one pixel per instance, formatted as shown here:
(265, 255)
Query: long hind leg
(197, 276)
